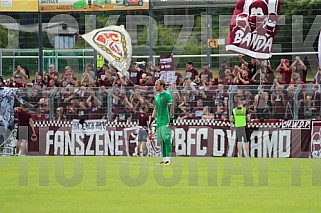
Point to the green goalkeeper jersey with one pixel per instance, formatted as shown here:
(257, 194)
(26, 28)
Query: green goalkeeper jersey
(162, 102)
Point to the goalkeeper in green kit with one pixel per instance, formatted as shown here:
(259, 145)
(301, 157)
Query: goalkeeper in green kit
(164, 112)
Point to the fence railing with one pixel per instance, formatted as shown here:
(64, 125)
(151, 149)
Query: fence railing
(121, 104)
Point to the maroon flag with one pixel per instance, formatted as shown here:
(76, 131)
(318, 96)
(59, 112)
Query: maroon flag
(253, 27)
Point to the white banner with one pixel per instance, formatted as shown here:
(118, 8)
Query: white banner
(114, 44)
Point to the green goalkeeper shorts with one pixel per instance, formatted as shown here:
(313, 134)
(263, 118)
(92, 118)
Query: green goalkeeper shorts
(163, 133)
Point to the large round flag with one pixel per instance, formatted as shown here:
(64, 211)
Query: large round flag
(114, 44)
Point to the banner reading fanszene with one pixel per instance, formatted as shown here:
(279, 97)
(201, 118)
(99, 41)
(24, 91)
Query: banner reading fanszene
(197, 140)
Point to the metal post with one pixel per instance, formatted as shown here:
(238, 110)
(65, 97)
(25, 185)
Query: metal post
(296, 101)
(40, 51)
(231, 92)
(1, 62)
(110, 104)
(209, 35)
(52, 94)
(95, 52)
(150, 32)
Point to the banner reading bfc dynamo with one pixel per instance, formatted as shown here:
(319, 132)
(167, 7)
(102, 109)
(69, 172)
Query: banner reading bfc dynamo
(253, 27)
(114, 44)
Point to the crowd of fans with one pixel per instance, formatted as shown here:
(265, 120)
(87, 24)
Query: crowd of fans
(197, 94)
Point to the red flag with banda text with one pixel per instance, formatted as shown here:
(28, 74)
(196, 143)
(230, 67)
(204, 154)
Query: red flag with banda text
(253, 27)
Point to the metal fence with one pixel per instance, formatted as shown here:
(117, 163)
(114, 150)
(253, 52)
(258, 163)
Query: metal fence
(210, 102)
(35, 40)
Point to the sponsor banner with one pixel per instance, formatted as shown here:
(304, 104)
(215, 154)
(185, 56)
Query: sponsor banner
(205, 140)
(316, 139)
(296, 124)
(91, 5)
(253, 27)
(167, 72)
(114, 44)
(192, 3)
(18, 6)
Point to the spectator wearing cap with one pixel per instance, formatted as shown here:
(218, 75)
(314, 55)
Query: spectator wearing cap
(285, 69)
(191, 72)
(206, 74)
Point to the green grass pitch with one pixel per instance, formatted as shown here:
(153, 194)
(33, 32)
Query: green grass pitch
(129, 184)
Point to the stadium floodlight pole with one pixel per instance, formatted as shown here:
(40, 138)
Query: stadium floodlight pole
(40, 50)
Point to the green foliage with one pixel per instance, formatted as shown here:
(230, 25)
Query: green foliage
(167, 35)
(3, 37)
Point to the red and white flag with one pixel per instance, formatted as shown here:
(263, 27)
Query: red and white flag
(114, 44)
(253, 27)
